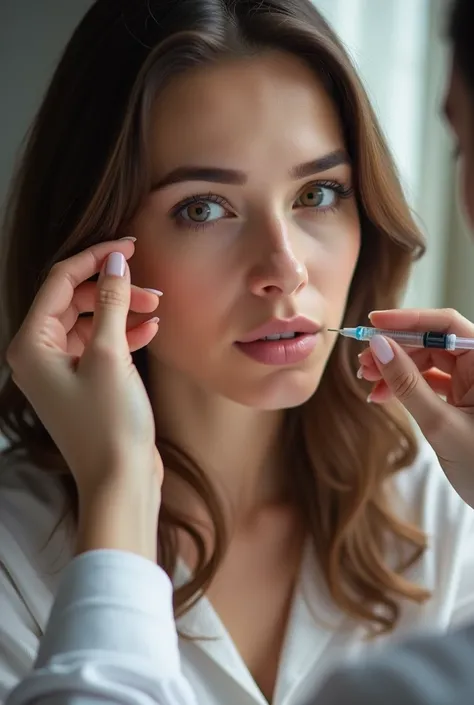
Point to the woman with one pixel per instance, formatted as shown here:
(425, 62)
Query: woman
(234, 147)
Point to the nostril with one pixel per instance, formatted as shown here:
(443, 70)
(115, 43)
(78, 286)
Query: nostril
(271, 288)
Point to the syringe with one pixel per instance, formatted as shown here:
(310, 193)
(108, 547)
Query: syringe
(412, 339)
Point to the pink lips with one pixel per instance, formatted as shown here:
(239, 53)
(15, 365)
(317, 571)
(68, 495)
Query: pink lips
(283, 351)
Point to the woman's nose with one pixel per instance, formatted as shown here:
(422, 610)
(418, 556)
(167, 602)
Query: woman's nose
(279, 271)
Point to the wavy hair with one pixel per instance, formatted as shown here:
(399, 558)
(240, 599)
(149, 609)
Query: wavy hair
(83, 176)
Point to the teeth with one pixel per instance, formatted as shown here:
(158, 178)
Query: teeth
(279, 336)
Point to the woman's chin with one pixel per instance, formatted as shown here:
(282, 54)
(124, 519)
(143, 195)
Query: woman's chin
(284, 391)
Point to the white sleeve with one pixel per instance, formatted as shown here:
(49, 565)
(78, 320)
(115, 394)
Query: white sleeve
(111, 638)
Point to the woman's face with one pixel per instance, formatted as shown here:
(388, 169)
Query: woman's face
(253, 220)
(459, 109)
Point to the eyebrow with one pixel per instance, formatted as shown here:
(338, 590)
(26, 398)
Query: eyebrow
(239, 178)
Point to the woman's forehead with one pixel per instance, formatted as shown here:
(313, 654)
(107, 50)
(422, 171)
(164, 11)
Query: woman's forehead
(243, 111)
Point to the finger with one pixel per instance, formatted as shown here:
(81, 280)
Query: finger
(438, 382)
(380, 393)
(112, 305)
(423, 358)
(143, 334)
(141, 301)
(440, 320)
(81, 334)
(370, 373)
(407, 384)
(57, 292)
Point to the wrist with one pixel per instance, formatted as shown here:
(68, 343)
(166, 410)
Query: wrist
(119, 515)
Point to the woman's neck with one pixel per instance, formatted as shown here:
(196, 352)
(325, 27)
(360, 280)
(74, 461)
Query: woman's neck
(236, 446)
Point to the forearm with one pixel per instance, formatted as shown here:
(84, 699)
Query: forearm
(111, 638)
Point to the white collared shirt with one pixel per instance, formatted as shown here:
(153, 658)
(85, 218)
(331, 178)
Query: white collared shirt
(124, 602)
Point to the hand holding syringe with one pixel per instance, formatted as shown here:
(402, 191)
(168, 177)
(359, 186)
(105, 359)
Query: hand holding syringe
(431, 374)
(412, 339)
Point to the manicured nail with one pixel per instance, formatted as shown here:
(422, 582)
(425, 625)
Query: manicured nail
(115, 266)
(128, 237)
(153, 291)
(360, 373)
(369, 399)
(381, 349)
(359, 355)
(155, 319)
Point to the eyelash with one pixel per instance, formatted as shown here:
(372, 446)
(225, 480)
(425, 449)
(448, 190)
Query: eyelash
(343, 191)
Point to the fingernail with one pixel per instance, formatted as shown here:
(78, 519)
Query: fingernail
(369, 399)
(359, 355)
(155, 319)
(115, 266)
(381, 349)
(360, 373)
(153, 291)
(128, 237)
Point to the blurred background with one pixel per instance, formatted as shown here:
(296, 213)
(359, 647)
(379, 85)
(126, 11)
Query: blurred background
(399, 49)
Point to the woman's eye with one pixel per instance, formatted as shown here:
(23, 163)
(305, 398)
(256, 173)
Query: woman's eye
(318, 197)
(202, 212)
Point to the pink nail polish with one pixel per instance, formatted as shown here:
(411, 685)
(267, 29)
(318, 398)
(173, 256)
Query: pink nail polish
(115, 266)
(381, 349)
(153, 291)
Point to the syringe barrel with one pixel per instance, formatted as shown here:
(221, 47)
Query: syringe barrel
(412, 339)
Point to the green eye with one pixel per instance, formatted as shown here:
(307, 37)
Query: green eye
(318, 197)
(199, 212)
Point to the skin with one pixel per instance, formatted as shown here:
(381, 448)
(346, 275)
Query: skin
(265, 256)
(270, 253)
(459, 110)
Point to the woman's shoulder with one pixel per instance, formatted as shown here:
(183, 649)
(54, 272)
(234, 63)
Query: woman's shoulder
(428, 496)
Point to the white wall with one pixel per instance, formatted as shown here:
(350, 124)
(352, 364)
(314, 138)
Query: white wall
(32, 35)
(396, 45)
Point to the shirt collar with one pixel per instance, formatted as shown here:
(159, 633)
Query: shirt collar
(314, 623)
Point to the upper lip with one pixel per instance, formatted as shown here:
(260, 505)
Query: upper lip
(300, 324)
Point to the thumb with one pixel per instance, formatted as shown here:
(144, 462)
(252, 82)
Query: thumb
(112, 304)
(408, 385)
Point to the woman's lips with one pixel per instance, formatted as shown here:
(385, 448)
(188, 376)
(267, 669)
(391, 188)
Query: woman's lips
(285, 351)
(282, 326)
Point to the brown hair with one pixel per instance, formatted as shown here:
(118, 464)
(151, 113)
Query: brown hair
(83, 176)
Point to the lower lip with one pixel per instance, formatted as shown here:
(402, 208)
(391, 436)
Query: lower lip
(280, 352)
